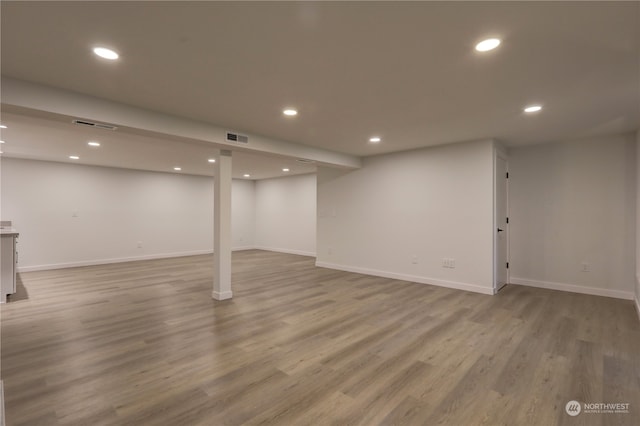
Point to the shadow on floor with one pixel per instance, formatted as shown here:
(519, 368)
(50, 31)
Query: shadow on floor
(21, 291)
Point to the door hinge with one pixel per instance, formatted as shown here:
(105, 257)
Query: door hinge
(507, 175)
(507, 265)
(507, 220)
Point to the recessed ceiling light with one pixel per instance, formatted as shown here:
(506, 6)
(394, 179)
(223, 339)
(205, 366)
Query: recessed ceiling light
(285, 170)
(93, 143)
(2, 126)
(105, 53)
(1, 141)
(177, 169)
(290, 112)
(74, 157)
(533, 108)
(375, 139)
(211, 160)
(246, 175)
(488, 44)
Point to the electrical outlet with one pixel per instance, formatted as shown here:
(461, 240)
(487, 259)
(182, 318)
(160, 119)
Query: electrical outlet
(448, 262)
(586, 267)
(139, 244)
(414, 259)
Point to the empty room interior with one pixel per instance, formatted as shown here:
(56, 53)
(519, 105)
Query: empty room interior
(320, 213)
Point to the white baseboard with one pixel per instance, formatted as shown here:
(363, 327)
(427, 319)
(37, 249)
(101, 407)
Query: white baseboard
(241, 248)
(148, 257)
(573, 288)
(108, 261)
(412, 278)
(288, 251)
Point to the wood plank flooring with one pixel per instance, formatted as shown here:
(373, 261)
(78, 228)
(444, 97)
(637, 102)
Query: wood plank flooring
(143, 343)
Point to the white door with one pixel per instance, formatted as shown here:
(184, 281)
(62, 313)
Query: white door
(502, 224)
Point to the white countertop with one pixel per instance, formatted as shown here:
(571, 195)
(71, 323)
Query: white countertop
(8, 231)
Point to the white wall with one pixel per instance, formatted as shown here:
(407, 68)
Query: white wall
(286, 214)
(170, 214)
(571, 203)
(243, 214)
(431, 203)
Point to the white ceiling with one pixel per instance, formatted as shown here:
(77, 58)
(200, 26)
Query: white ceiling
(406, 71)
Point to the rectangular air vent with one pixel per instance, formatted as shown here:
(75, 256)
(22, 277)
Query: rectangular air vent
(235, 137)
(304, 160)
(92, 124)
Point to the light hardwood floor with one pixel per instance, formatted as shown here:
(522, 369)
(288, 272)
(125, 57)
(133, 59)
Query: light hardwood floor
(143, 343)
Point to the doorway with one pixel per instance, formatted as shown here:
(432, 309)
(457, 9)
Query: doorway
(501, 222)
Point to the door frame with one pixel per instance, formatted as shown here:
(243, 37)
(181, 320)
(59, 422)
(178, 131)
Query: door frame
(499, 153)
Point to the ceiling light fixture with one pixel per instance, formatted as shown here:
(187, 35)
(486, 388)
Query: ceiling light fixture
(2, 126)
(246, 175)
(93, 143)
(1, 141)
(375, 139)
(290, 112)
(533, 108)
(105, 53)
(285, 170)
(74, 157)
(177, 169)
(488, 44)
(211, 160)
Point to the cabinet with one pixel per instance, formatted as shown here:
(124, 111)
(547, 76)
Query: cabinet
(9, 260)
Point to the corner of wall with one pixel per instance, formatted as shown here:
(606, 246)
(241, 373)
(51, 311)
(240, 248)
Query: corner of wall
(637, 290)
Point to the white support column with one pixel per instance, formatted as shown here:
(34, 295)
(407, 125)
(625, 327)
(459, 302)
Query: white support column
(222, 227)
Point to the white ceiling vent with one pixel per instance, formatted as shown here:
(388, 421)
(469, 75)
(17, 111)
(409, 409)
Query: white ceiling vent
(236, 137)
(92, 124)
